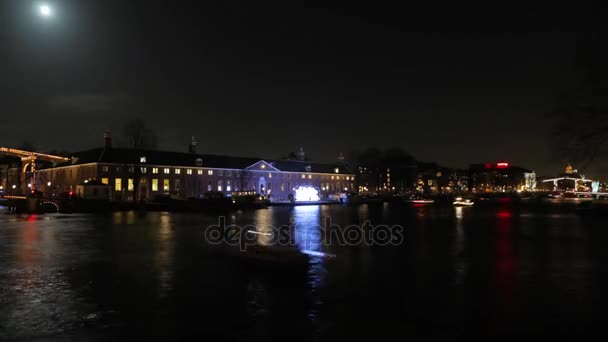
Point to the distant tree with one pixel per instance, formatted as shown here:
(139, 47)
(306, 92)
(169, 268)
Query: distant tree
(242, 178)
(138, 135)
(580, 119)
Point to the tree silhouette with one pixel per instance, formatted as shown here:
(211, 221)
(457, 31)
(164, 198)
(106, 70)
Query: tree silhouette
(138, 135)
(580, 128)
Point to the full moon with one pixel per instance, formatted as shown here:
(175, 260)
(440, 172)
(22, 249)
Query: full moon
(45, 10)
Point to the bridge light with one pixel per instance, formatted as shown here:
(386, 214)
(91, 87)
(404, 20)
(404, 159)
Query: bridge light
(14, 186)
(48, 184)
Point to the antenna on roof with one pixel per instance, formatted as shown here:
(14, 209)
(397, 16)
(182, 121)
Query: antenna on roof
(107, 139)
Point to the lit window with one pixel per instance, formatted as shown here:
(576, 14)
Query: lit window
(189, 171)
(178, 171)
(282, 186)
(332, 177)
(155, 184)
(142, 159)
(270, 175)
(210, 172)
(165, 185)
(200, 172)
(167, 171)
(118, 184)
(209, 187)
(309, 176)
(303, 176)
(154, 170)
(219, 185)
(143, 170)
(228, 186)
(263, 166)
(105, 181)
(130, 184)
(105, 169)
(337, 170)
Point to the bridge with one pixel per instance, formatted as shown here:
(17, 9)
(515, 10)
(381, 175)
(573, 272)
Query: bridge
(23, 204)
(28, 159)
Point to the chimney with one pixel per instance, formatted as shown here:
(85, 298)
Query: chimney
(301, 155)
(192, 146)
(107, 139)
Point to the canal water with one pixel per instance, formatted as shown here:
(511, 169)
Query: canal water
(455, 272)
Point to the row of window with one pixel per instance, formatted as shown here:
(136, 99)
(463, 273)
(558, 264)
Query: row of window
(178, 171)
(166, 185)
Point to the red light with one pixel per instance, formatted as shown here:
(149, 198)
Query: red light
(71, 193)
(488, 166)
(502, 165)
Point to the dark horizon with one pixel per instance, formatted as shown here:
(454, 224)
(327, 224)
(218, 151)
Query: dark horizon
(453, 85)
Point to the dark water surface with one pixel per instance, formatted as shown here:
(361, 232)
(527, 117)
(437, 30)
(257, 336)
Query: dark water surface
(458, 272)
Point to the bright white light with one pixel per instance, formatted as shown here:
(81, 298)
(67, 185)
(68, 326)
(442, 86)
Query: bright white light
(45, 10)
(48, 184)
(306, 193)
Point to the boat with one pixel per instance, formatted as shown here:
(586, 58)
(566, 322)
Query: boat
(463, 202)
(415, 199)
(249, 200)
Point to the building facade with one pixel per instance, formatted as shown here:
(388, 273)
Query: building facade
(143, 174)
(500, 177)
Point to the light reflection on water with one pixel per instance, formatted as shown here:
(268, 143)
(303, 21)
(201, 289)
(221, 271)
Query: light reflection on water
(501, 269)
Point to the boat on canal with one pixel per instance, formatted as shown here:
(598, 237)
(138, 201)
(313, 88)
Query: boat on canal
(463, 202)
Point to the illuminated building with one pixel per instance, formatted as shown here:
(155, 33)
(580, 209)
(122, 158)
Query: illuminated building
(142, 174)
(499, 177)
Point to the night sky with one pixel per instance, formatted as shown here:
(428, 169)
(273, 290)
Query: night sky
(458, 84)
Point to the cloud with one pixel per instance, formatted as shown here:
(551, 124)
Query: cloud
(87, 103)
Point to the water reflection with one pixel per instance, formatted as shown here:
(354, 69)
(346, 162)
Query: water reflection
(35, 294)
(505, 269)
(263, 226)
(461, 264)
(308, 237)
(513, 272)
(164, 257)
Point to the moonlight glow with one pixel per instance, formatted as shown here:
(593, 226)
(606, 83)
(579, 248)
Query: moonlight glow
(306, 193)
(45, 10)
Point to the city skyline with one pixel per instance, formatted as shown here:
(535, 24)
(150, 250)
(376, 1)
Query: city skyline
(331, 79)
